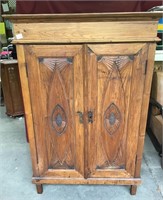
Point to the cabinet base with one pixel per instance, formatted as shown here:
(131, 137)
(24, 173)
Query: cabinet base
(15, 114)
(90, 181)
(133, 189)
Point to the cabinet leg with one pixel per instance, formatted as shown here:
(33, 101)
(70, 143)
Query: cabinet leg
(133, 189)
(39, 188)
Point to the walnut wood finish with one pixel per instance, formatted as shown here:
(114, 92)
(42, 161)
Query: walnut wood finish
(11, 88)
(86, 80)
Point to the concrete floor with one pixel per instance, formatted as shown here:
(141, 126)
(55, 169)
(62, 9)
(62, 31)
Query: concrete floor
(16, 172)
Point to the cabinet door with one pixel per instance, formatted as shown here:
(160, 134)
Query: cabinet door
(116, 75)
(55, 79)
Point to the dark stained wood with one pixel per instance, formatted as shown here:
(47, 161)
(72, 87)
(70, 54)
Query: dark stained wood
(133, 189)
(11, 88)
(17, 18)
(85, 81)
(39, 189)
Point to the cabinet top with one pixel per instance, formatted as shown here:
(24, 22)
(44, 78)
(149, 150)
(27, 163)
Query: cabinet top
(82, 17)
(85, 28)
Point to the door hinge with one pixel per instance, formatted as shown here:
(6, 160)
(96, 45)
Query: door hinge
(26, 67)
(145, 66)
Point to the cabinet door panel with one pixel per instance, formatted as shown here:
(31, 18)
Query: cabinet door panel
(56, 97)
(118, 79)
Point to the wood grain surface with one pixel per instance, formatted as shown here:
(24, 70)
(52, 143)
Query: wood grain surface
(86, 82)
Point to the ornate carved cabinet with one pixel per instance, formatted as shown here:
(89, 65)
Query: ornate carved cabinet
(86, 81)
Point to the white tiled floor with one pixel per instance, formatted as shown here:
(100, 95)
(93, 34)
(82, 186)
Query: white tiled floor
(16, 172)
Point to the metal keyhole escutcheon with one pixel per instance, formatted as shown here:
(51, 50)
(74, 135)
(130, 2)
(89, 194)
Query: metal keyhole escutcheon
(80, 117)
(90, 116)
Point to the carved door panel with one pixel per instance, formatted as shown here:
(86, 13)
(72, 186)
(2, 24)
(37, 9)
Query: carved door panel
(115, 87)
(56, 86)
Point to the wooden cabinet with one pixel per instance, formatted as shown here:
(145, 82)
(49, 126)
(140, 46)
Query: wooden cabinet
(11, 88)
(86, 81)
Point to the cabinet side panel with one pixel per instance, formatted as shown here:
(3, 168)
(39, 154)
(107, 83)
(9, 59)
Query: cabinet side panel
(136, 96)
(27, 107)
(144, 108)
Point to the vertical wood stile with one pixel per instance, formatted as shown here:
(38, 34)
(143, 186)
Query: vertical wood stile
(27, 107)
(85, 96)
(144, 107)
(79, 107)
(136, 97)
(92, 107)
(38, 106)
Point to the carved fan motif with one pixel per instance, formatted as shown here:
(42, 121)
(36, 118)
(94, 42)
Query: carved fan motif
(112, 118)
(53, 63)
(110, 61)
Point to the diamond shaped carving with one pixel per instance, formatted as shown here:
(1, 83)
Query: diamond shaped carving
(59, 119)
(112, 119)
